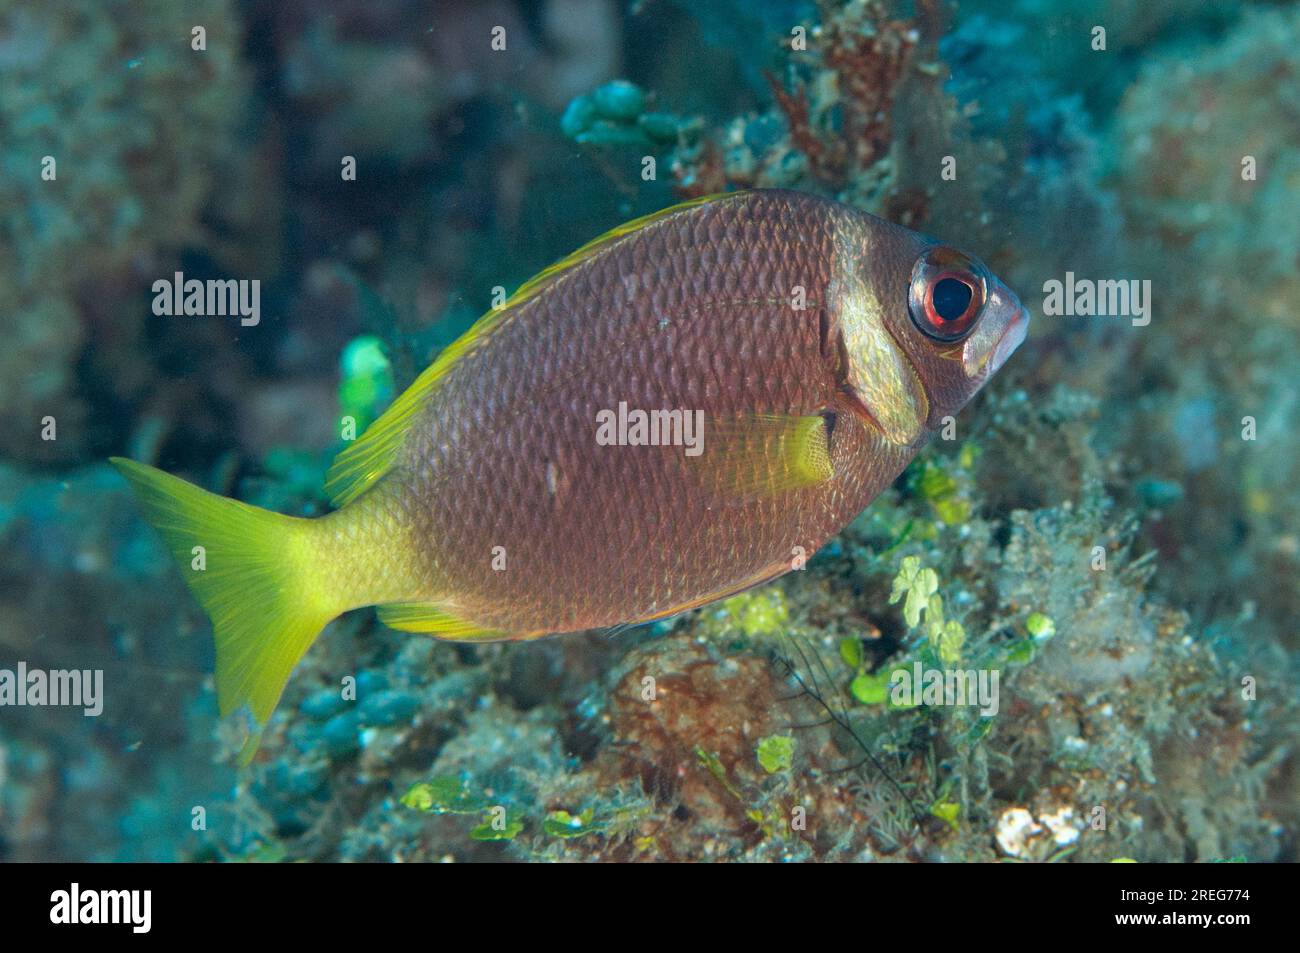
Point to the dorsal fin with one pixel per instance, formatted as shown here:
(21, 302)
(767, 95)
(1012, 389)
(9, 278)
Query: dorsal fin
(361, 465)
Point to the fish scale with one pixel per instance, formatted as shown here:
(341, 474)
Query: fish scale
(605, 567)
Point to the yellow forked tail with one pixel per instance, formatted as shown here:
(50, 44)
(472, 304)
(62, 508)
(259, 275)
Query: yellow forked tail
(261, 577)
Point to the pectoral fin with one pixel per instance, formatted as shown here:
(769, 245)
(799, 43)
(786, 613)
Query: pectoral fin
(762, 454)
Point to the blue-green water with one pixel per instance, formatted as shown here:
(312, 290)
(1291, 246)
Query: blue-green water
(1114, 526)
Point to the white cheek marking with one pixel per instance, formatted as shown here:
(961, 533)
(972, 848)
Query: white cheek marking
(881, 375)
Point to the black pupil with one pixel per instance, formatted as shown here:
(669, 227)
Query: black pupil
(951, 298)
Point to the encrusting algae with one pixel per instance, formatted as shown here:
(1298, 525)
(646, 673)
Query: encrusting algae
(818, 345)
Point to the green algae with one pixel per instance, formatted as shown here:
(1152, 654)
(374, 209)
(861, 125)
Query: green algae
(775, 753)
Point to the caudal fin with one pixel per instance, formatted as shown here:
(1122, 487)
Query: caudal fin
(256, 574)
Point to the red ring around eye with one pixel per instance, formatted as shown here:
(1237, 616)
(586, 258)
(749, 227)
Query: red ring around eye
(946, 295)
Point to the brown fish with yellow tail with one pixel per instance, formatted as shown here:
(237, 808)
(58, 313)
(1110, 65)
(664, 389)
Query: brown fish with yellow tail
(680, 409)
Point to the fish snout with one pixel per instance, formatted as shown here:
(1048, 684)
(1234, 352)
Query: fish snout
(1014, 336)
(1008, 323)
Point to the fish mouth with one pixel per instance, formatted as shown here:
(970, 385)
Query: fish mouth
(1002, 330)
(1013, 335)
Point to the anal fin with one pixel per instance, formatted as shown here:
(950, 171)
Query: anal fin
(436, 621)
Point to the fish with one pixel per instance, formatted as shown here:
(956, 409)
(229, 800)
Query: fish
(537, 478)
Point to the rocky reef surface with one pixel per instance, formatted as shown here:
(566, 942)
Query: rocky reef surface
(1114, 527)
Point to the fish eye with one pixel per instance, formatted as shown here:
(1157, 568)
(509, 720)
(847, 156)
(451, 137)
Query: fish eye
(947, 293)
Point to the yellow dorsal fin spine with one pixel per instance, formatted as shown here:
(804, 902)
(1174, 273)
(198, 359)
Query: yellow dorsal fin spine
(361, 465)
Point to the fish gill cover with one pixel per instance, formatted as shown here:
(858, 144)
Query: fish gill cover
(238, 241)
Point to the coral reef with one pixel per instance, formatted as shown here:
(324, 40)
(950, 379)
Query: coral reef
(116, 136)
(1113, 528)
